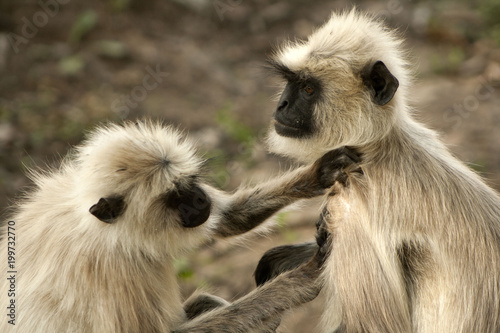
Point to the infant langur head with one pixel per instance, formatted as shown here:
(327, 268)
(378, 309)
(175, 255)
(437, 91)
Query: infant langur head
(140, 184)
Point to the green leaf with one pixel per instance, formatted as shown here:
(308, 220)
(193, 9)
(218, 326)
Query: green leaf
(111, 49)
(120, 5)
(236, 129)
(84, 23)
(71, 66)
(183, 269)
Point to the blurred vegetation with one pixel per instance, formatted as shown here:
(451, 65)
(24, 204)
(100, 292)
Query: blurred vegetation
(235, 128)
(183, 268)
(449, 62)
(71, 66)
(289, 235)
(66, 78)
(241, 136)
(84, 23)
(217, 160)
(481, 166)
(490, 12)
(120, 5)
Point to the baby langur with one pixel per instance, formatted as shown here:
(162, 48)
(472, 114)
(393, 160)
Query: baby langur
(96, 239)
(416, 237)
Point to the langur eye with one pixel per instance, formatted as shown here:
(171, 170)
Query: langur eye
(308, 89)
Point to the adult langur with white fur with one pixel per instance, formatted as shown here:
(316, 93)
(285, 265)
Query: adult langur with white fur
(96, 239)
(416, 234)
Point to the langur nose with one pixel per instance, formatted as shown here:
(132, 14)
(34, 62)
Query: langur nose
(282, 105)
(196, 208)
(192, 204)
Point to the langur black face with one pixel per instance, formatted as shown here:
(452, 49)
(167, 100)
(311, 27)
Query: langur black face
(294, 114)
(191, 203)
(294, 117)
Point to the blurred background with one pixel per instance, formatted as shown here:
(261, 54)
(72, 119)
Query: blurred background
(68, 65)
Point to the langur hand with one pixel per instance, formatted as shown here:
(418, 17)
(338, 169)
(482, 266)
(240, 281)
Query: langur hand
(336, 165)
(332, 167)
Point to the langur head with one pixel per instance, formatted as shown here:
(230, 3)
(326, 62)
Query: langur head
(141, 183)
(344, 85)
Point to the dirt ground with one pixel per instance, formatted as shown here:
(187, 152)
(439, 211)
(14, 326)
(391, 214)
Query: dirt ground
(66, 68)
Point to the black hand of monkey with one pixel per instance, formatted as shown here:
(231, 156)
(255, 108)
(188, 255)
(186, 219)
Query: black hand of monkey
(285, 258)
(335, 165)
(282, 259)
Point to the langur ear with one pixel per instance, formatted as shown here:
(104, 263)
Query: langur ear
(108, 209)
(381, 83)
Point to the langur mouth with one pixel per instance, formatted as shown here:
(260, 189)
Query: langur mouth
(287, 130)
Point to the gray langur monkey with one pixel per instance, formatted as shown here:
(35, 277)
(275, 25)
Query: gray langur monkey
(416, 235)
(93, 244)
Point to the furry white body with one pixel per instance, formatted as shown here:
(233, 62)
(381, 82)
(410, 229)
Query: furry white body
(84, 267)
(74, 271)
(448, 219)
(416, 239)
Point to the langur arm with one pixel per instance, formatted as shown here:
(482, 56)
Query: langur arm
(199, 304)
(196, 305)
(261, 309)
(248, 208)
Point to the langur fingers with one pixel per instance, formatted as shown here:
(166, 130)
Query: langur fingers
(335, 165)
